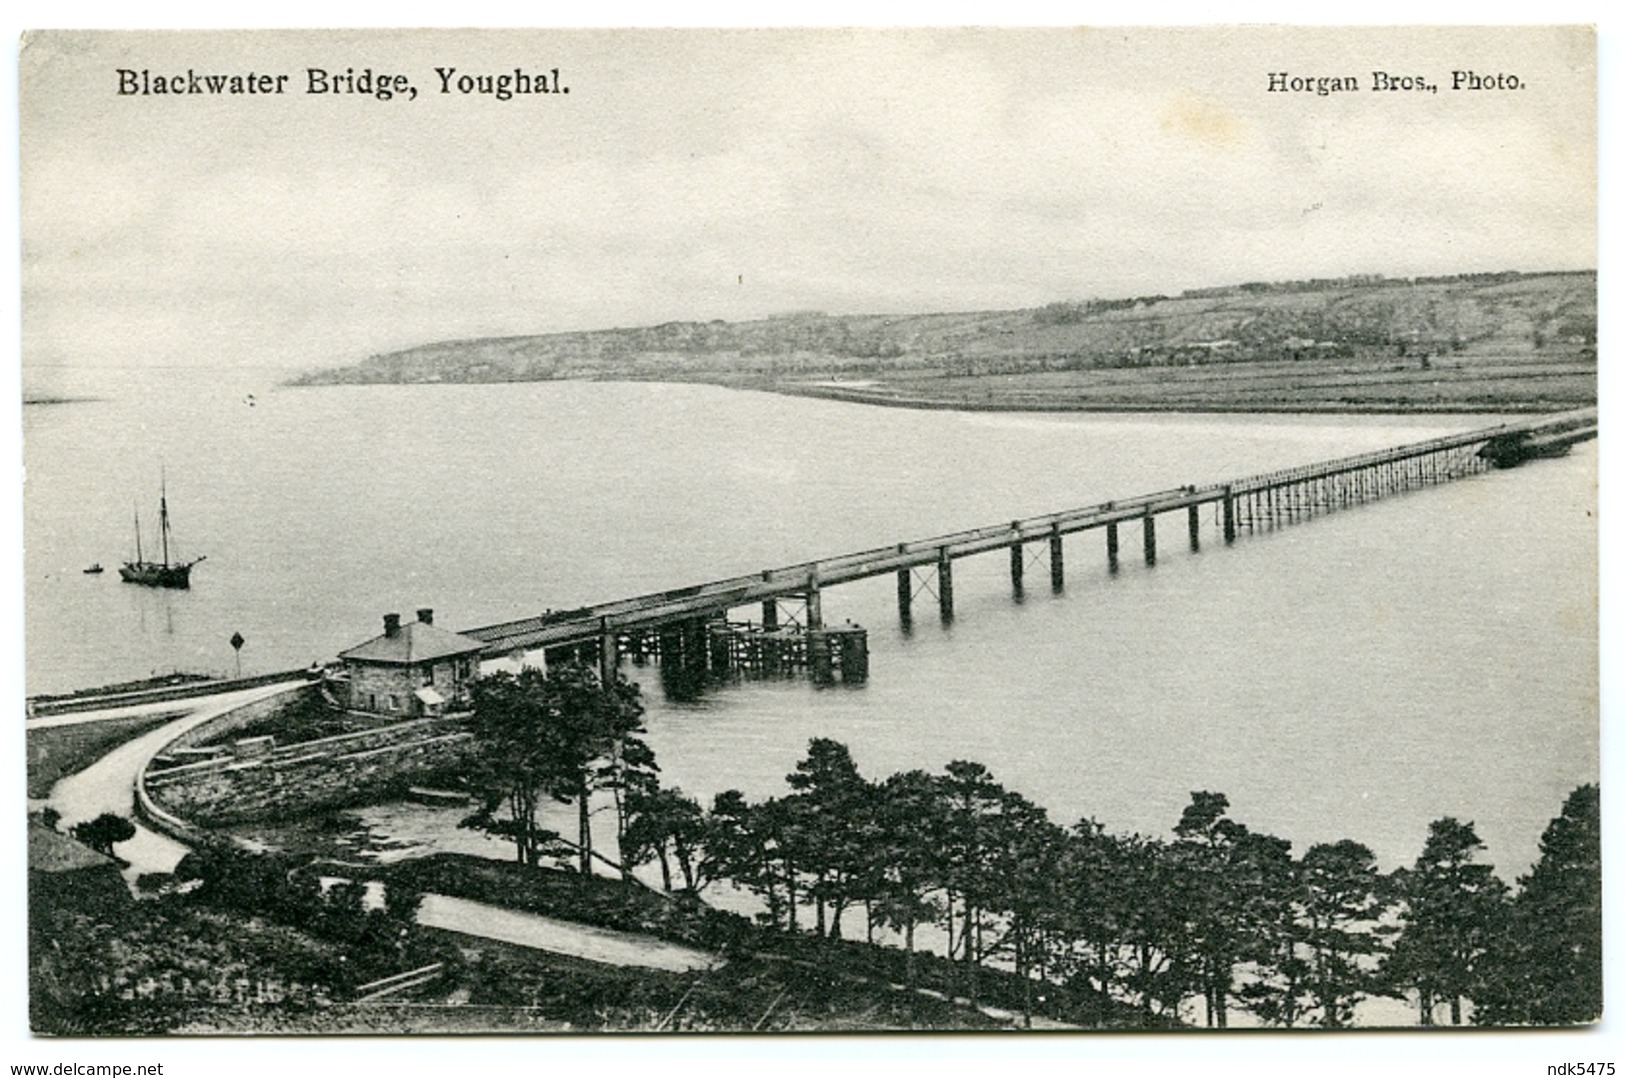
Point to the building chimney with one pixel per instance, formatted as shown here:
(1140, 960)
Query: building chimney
(426, 615)
(392, 625)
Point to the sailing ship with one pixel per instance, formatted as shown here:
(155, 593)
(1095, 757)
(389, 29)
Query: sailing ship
(158, 574)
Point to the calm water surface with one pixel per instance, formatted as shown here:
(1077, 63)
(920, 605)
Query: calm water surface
(1357, 676)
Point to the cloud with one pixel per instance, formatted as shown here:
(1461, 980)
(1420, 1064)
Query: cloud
(700, 176)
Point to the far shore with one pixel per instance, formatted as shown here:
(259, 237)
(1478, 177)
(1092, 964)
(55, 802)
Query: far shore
(966, 403)
(979, 399)
(1509, 382)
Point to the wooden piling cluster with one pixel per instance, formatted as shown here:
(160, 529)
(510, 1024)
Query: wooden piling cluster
(751, 649)
(746, 649)
(715, 646)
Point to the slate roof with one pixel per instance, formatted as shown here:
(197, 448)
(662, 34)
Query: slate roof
(416, 642)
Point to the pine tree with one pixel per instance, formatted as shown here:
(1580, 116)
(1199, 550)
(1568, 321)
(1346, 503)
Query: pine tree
(907, 859)
(104, 832)
(1547, 969)
(1341, 901)
(559, 734)
(972, 800)
(666, 826)
(1235, 891)
(1454, 910)
(832, 809)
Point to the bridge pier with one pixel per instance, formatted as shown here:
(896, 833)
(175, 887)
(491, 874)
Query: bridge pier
(671, 645)
(1057, 568)
(819, 660)
(609, 653)
(1195, 512)
(1150, 539)
(905, 598)
(1111, 547)
(945, 585)
(845, 648)
(815, 603)
(770, 615)
(687, 652)
(1018, 568)
(1229, 516)
(854, 656)
(719, 646)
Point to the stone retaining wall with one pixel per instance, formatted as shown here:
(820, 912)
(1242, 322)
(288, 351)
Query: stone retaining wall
(239, 717)
(298, 779)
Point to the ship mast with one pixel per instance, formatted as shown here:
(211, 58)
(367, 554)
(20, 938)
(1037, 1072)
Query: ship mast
(138, 537)
(163, 520)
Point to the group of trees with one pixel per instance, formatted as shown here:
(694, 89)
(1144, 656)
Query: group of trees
(282, 889)
(1217, 913)
(560, 735)
(1113, 919)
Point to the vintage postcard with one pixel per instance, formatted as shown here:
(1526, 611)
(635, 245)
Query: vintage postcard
(809, 531)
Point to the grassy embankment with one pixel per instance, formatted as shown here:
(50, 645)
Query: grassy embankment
(56, 751)
(167, 964)
(766, 979)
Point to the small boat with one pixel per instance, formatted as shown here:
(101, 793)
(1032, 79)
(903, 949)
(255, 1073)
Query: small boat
(94, 568)
(158, 574)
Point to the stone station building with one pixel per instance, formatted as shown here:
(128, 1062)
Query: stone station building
(411, 671)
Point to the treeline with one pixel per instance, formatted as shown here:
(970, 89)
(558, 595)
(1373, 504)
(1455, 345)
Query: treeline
(1219, 912)
(1356, 280)
(1070, 312)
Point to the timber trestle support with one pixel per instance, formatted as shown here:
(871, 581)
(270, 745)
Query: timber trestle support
(691, 630)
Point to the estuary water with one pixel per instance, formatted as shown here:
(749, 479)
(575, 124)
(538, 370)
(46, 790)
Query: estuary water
(1352, 677)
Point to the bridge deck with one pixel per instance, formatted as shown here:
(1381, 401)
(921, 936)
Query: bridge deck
(645, 611)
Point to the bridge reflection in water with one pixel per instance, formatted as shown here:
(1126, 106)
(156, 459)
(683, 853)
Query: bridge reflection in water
(689, 631)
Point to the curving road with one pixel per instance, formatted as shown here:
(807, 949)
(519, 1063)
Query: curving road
(559, 937)
(108, 785)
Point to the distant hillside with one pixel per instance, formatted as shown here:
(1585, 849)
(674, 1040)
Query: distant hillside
(1347, 322)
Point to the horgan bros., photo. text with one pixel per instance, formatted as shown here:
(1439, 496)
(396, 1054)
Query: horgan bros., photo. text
(384, 86)
(1282, 82)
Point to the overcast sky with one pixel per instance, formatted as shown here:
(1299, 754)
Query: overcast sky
(699, 175)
